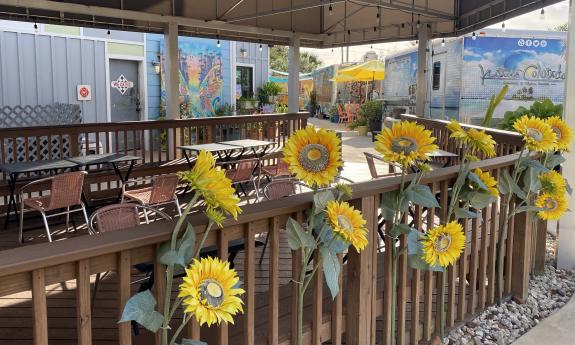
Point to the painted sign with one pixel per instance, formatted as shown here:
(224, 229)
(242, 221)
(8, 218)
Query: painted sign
(400, 82)
(84, 92)
(201, 81)
(122, 84)
(533, 68)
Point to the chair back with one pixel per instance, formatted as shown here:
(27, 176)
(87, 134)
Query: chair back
(119, 217)
(66, 190)
(279, 189)
(164, 188)
(340, 111)
(243, 170)
(281, 167)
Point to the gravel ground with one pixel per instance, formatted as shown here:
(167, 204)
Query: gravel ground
(502, 324)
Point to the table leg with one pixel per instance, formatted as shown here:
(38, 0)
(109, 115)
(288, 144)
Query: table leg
(123, 179)
(188, 159)
(11, 200)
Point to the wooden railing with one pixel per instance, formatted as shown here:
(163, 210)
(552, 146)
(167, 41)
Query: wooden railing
(361, 313)
(154, 141)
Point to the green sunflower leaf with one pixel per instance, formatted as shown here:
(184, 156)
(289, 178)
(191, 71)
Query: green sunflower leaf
(554, 160)
(476, 181)
(464, 213)
(331, 270)
(184, 252)
(505, 183)
(389, 204)
(321, 199)
(480, 200)
(414, 242)
(421, 195)
(140, 308)
(399, 229)
(536, 165)
(192, 342)
(531, 179)
(416, 261)
(527, 209)
(568, 187)
(297, 237)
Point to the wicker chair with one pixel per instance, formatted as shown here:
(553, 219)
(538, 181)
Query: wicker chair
(65, 194)
(279, 169)
(161, 192)
(371, 158)
(242, 172)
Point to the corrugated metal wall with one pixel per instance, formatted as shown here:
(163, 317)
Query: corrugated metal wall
(37, 69)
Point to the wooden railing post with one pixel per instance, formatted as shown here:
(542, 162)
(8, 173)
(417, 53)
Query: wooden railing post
(521, 264)
(40, 310)
(539, 247)
(360, 275)
(83, 314)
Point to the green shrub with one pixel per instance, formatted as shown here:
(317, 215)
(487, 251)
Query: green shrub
(371, 110)
(542, 110)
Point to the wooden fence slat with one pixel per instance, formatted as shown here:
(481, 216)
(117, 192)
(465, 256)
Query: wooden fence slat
(124, 268)
(159, 288)
(83, 312)
(387, 286)
(415, 287)
(540, 244)
(428, 283)
(274, 285)
(296, 257)
(522, 235)
(401, 291)
(493, 234)
(40, 308)
(337, 308)
(509, 265)
(249, 271)
(223, 253)
(317, 308)
(473, 266)
(483, 257)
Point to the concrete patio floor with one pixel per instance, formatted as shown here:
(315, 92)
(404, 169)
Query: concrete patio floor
(557, 329)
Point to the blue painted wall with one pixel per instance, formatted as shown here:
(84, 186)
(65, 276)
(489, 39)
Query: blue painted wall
(154, 47)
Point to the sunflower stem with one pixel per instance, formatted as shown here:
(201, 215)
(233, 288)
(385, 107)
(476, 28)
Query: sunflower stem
(185, 320)
(442, 303)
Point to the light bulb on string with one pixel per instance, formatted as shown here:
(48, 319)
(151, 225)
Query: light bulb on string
(261, 47)
(330, 8)
(35, 27)
(542, 14)
(377, 17)
(503, 27)
(418, 25)
(473, 36)
(218, 44)
(443, 42)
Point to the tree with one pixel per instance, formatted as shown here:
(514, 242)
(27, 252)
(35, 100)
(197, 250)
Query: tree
(308, 62)
(562, 27)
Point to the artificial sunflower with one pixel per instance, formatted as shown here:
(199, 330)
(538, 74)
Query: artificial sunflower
(212, 184)
(563, 132)
(537, 134)
(405, 143)
(477, 139)
(210, 293)
(488, 180)
(553, 206)
(313, 156)
(347, 223)
(444, 244)
(552, 182)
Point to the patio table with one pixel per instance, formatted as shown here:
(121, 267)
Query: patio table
(114, 159)
(247, 144)
(13, 170)
(223, 151)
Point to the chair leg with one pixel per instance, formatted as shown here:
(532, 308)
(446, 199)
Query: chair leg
(264, 248)
(21, 234)
(46, 226)
(96, 285)
(85, 214)
(257, 190)
(146, 216)
(178, 208)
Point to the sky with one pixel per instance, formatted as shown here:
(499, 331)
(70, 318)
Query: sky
(554, 15)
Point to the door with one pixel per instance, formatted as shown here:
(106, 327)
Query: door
(125, 100)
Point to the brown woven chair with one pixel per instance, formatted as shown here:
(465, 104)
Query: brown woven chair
(279, 169)
(161, 192)
(242, 172)
(65, 194)
(371, 158)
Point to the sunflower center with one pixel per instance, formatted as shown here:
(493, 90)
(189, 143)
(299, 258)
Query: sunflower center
(344, 223)
(442, 243)
(535, 134)
(550, 204)
(212, 292)
(403, 145)
(557, 132)
(314, 157)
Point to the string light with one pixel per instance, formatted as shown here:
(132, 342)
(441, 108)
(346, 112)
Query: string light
(473, 36)
(542, 14)
(218, 44)
(503, 27)
(261, 47)
(330, 8)
(108, 33)
(375, 29)
(377, 17)
(418, 25)
(443, 42)
(35, 27)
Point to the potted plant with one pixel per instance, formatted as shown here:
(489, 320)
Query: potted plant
(372, 112)
(268, 91)
(312, 104)
(360, 125)
(333, 114)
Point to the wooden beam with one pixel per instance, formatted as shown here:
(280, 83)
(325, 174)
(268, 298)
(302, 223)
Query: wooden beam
(521, 265)
(40, 309)
(83, 312)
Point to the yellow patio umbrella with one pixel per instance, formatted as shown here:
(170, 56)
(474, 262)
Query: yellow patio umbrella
(344, 78)
(368, 71)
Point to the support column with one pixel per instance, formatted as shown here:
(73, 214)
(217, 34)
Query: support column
(172, 74)
(421, 96)
(293, 76)
(566, 239)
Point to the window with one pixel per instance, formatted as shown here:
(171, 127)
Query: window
(436, 75)
(245, 81)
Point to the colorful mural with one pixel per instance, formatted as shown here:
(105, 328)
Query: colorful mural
(201, 78)
(534, 69)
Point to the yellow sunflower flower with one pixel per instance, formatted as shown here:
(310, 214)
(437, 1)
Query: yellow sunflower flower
(347, 223)
(488, 180)
(211, 183)
(478, 140)
(554, 206)
(210, 293)
(563, 132)
(405, 143)
(552, 182)
(313, 156)
(444, 244)
(537, 134)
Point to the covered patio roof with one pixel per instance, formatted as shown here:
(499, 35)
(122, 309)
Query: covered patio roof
(349, 22)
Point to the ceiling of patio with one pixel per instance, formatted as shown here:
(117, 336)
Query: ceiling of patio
(276, 21)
